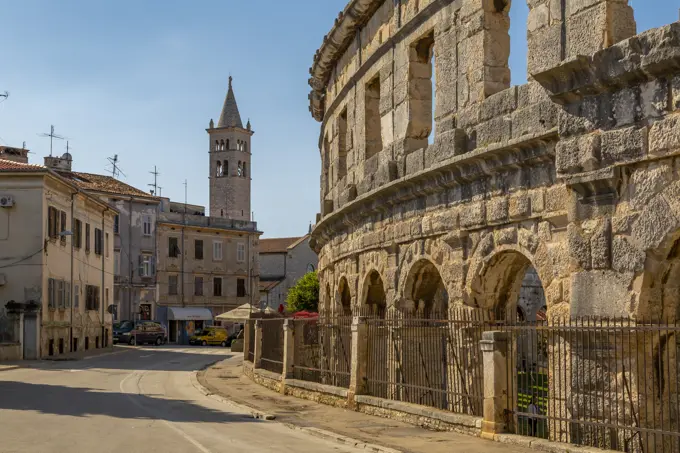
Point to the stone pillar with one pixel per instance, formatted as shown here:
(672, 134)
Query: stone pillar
(359, 364)
(257, 356)
(562, 29)
(288, 348)
(483, 50)
(494, 347)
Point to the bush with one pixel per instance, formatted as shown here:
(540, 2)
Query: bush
(305, 294)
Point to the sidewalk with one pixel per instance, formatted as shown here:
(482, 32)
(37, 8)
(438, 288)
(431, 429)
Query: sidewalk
(69, 356)
(225, 379)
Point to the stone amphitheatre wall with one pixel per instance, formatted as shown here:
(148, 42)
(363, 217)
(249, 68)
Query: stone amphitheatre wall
(575, 173)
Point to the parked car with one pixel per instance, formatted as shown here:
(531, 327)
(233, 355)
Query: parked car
(210, 336)
(139, 332)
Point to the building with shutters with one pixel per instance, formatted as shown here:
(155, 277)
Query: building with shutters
(56, 263)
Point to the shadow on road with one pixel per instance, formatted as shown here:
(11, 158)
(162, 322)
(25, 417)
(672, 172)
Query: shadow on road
(86, 402)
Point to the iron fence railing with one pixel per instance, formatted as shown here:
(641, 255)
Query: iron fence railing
(600, 382)
(272, 344)
(434, 362)
(323, 350)
(250, 339)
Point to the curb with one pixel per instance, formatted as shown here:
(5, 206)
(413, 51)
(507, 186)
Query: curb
(9, 367)
(333, 437)
(316, 432)
(249, 410)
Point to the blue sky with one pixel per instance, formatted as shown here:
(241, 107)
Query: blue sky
(142, 79)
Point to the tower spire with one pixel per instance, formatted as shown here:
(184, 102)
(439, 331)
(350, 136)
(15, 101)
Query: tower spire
(230, 116)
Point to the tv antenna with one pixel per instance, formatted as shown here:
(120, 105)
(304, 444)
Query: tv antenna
(155, 180)
(4, 94)
(115, 170)
(52, 137)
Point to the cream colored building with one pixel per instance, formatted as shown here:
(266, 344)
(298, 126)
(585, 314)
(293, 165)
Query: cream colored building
(56, 263)
(219, 262)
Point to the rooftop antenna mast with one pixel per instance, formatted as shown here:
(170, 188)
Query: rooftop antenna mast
(115, 170)
(52, 137)
(155, 180)
(4, 95)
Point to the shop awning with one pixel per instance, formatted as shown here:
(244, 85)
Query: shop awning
(189, 314)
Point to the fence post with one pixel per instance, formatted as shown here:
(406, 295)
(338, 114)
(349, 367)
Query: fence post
(257, 354)
(359, 363)
(494, 351)
(288, 352)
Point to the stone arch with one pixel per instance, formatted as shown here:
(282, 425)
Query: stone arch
(498, 267)
(373, 294)
(343, 298)
(424, 290)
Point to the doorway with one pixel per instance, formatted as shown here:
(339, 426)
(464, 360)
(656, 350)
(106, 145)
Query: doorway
(30, 339)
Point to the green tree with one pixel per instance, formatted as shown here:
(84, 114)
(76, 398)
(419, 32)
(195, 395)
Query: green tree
(305, 294)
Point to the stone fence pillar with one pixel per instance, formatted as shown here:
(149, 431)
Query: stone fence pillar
(494, 351)
(288, 348)
(359, 363)
(257, 353)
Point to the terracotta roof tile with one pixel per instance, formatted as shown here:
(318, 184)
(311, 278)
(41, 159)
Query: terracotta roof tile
(103, 183)
(11, 166)
(277, 245)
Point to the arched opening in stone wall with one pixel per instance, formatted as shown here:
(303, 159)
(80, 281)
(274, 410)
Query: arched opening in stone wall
(510, 290)
(421, 92)
(375, 300)
(345, 298)
(658, 363)
(426, 292)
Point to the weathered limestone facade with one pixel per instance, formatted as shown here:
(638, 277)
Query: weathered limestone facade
(575, 173)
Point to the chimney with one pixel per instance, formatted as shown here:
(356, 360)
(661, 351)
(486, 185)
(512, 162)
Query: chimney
(14, 154)
(62, 163)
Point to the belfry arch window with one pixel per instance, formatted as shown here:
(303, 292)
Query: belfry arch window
(227, 143)
(218, 169)
(245, 147)
(217, 145)
(225, 170)
(245, 174)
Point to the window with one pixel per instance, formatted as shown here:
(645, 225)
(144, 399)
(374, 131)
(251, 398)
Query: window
(172, 285)
(421, 94)
(146, 265)
(244, 170)
(245, 147)
(173, 248)
(240, 287)
(198, 249)
(225, 171)
(147, 225)
(239, 169)
(116, 262)
(98, 241)
(76, 296)
(217, 250)
(342, 143)
(372, 119)
(107, 245)
(87, 237)
(217, 286)
(240, 252)
(52, 222)
(91, 297)
(227, 143)
(218, 170)
(116, 224)
(62, 226)
(77, 233)
(198, 286)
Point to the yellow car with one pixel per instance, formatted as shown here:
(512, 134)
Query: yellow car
(210, 336)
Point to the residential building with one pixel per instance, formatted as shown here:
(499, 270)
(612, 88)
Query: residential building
(209, 264)
(283, 261)
(134, 239)
(56, 264)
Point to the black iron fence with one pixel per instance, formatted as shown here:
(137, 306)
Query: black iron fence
(599, 382)
(323, 350)
(250, 339)
(272, 344)
(433, 362)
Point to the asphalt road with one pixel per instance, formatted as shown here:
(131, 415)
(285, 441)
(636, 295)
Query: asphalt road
(134, 400)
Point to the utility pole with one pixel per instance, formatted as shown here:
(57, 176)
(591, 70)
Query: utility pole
(155, 180)
(52, 136)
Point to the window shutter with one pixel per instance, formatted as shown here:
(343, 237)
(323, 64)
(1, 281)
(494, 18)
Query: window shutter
(153, 265)
(50, 292)
(67, 300)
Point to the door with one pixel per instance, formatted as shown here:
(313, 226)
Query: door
(30, 336)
